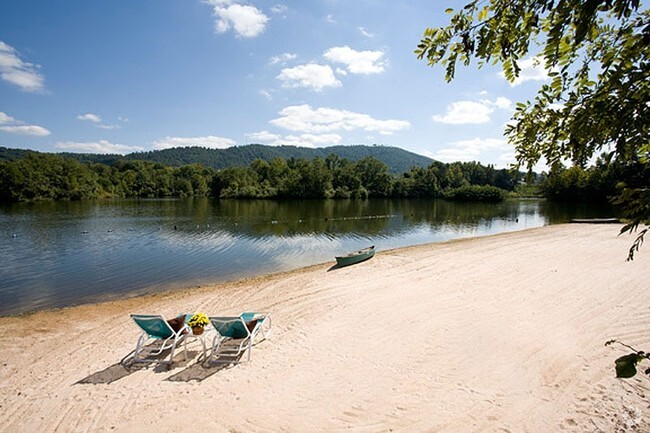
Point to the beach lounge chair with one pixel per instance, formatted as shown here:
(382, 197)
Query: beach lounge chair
(236, 334)
(157, 336)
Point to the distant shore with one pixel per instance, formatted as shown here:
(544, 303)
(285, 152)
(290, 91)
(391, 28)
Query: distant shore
(499, 333)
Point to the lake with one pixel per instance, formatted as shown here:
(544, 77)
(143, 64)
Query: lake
(59, 254)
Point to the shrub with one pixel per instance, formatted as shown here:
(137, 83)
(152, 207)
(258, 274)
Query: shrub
(476, 193)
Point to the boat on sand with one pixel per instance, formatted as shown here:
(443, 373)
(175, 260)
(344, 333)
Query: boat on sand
(595, 221)
(355, 256)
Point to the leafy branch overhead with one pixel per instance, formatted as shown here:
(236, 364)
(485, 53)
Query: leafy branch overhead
(597, 99)
(626, 364)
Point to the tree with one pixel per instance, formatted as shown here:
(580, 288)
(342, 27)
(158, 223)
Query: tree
(374, 176)
(596, 54)
(454, 177)
(346, 182)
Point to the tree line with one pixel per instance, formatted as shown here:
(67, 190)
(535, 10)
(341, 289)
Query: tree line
(602, 182)
(40, 176)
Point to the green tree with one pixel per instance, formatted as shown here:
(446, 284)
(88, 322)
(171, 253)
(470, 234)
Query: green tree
(12, 180)
(596, 55)
(307, 179)
(454, 176)
(235, 182)
(198, 178)
(419, 182)
(345, 180)
(374, 177)
(47, 177)
(485, 193)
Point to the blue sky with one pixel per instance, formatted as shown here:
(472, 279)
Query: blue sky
(118, 77)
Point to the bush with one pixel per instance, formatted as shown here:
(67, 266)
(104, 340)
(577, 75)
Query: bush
(476, 193)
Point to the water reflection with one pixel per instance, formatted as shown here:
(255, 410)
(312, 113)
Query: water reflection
(66, 253)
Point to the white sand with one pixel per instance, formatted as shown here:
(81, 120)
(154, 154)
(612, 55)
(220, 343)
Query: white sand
(497, 334)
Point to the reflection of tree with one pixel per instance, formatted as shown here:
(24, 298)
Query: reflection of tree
(436, 212)
(370, 217)
(287, 217)
(255, 218)
(346, 217)
(561, 213)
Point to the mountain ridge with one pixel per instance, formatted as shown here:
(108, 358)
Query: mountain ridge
(397, 159)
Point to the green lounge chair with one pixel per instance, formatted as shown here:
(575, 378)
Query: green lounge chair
(236, 334)
(157, 336)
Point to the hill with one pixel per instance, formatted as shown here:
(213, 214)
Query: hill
(398, 160)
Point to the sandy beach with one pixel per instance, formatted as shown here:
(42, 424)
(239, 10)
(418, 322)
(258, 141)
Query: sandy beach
(496, 334)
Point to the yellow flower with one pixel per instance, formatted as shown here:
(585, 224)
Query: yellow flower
(199, 319)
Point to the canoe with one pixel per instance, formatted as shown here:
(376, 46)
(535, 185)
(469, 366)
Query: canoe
(595, 220)
(355, 257)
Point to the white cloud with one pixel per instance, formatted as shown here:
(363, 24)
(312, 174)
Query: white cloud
(13, 126)
(470, 150)
(209, 141)
(366, 33)
(303, 118)
(464, 112)
(310, 140)
(90, 117)
(97, 120)
(34, 130)
(282, 58)
(302, 140)
(508, 158)
(341, 71)
(320, 139)
(102, 126)
(531, 70)
(503, 103)
(330, 19)
(5, 118)
(262, 137)
(279, 9)
(312, 76)
(246, 21)
(19, 73)
(357, 62)
(101, 146)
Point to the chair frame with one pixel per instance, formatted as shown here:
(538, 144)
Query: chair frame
(224, 324)
(146, 350)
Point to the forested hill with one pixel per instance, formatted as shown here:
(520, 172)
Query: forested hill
(398, 160)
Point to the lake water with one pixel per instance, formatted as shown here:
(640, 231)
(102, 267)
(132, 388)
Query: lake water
(68, 253)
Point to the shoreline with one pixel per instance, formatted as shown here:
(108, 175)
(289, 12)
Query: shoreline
(497, 332)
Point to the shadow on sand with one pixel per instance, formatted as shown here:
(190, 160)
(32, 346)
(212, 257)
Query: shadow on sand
(189, 370)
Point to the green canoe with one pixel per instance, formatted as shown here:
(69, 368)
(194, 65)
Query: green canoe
(355, 257)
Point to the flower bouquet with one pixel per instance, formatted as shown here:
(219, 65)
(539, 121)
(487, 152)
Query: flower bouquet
(197, 322)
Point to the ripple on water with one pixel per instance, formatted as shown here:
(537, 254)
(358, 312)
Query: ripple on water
(70, 253)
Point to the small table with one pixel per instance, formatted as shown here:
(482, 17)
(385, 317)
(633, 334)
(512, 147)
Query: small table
(201, 337)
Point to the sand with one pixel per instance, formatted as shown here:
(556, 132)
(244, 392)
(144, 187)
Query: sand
(503, 333)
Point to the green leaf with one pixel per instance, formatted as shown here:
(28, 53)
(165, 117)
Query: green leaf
(449, 11)
(626, 228)
(482, 15)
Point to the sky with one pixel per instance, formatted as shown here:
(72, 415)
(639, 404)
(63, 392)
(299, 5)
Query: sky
(96, 76)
